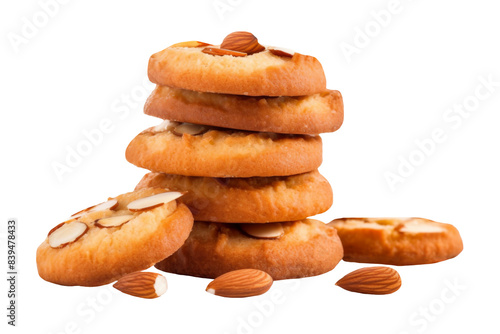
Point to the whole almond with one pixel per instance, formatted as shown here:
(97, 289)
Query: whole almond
(371, 280)
(242, 41)
(241, 283)
(142, 284)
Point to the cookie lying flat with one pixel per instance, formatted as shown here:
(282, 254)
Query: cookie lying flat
(128, 233)
(397, 241)
(237, 69)
(283, 250)
(195, 150)
(312, 114)
(248, 200)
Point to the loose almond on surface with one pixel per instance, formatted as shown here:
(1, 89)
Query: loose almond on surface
(241, 283)
(142, 284)
(371, 280)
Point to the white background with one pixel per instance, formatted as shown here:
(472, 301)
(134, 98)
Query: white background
(79, 67)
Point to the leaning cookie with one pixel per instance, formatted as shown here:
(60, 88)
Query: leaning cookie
(248, 200)
(311, 114)
(197, 150)
(125, 234)
(240, 65)
(283, 250)
(397, 241)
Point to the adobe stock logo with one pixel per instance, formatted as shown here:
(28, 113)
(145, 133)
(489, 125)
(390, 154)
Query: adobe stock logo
(222, 7)
(371, 29)
(92, 138)
(421, 319)
(453, 118)
(34, 23)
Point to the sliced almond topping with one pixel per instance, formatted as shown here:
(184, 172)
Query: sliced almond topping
(80, 213)
(189, 128)
(66, 233)
(189, 44)
(241, 283)
(111, 205)
(142, 284)
(114, 221)
(153, 201)
(281, 52)
(242, 41)
(415, 227)
(263, 231)
(223, 52)
(164, 126)
(386, 221)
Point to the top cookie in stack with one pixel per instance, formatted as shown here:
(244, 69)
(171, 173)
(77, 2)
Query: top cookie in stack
(249, 110)
(255, 89)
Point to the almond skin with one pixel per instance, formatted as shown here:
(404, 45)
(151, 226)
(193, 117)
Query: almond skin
(70, 241)
(141, 284)
(223, 52)
(189, 44)
(241, 283)
(280, 53)
(371, 280)
(242, 41)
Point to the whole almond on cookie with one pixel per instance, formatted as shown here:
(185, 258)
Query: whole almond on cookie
(241, 283)
(242, 41)
(142, 284)
(371, 280)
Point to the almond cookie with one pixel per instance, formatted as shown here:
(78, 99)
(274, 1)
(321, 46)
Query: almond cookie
(128, 233)
(311, 114)
(240, 65)
(397, 241)
(248, 200)
(283, 250)
(197, 150)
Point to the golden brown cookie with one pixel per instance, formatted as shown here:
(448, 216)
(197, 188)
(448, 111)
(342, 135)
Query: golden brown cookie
(248, 200)
(311, 114)
(283, 250)
(102, 243)
(397, 241)
(196, 150)
(205, 68)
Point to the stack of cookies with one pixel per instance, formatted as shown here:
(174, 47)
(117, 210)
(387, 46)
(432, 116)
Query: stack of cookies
(233, 181)
(240, 139)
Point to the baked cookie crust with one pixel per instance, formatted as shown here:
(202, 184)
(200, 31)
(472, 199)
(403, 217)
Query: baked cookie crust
(397, 241)
(225, 153)
(311, 114)
(103, 255)
(248, 200)
(259, 74)
(307, 248)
